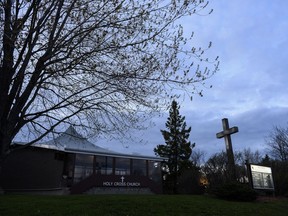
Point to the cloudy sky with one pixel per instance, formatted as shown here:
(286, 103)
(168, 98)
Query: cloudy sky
(251, 87)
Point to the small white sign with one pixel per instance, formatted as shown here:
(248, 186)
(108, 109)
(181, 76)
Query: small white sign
(263, 169)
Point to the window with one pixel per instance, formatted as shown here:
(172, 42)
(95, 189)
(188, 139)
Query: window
(83, 167)
(139, 167)
(122, 166)
(104, 165)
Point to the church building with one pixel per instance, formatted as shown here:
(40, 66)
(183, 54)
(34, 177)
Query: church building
(70, 164)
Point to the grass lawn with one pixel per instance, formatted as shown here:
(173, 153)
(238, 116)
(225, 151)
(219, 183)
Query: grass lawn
(136, 205)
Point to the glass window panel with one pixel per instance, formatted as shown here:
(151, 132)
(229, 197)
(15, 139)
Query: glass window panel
(139, 167)
(104, 165)
(85, 160)
(109, 168)
(69, 166)
(83, 167)
(122, 166)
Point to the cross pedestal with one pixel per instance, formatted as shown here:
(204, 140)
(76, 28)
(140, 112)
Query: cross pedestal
(226, 133)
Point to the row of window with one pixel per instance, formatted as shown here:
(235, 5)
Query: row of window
(86, 165)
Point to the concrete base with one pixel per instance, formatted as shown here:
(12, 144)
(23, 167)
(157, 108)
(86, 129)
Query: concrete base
(118, 190)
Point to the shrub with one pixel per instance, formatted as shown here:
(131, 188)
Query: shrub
(236, 192)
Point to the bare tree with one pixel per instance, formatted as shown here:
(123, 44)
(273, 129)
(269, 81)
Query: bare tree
(198, 157)
(241, 157)
(215, 168)
(247, 155)
(102, 65)
(277, 142)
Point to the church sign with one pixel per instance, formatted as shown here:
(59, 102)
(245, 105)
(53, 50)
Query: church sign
(261, 177)
(121, 183)
(124, 182)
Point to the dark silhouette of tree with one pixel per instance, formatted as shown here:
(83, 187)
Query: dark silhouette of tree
(266, 160)
(177, 149)
(279, 174)
(198, 157)
(241, 158)
(215, 167)
(277, 158)
(248, 155)
(101, 65)
(277, 142)
(280, 177)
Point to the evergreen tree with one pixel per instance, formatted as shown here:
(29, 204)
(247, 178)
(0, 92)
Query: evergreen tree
(177, 148)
